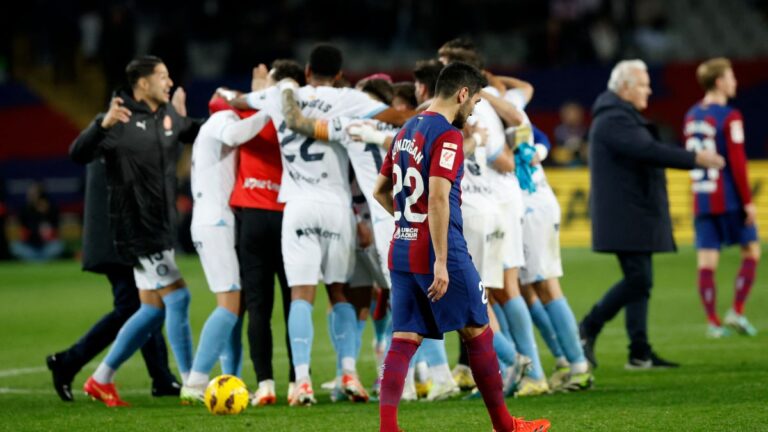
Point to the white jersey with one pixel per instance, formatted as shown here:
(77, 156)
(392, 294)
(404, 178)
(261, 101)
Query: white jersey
(366, 158)
(476, 190)
(213, 164)
(523, 132)
(312, 170)
(485, 116)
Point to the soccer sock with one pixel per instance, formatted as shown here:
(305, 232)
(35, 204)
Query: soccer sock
(433, 351)
(564, 323)
(393, 381)
(132, 336)
(542, 321)
(707, 292)
(502, 319)
(232, 357)
(505, 348)
(177, 328)
(744, 284)
(380, 328)
(329, 321)
(521, 326)
(344, 331)
(301, 332)
(217, 332)
(359, 337)
(463, 356)
(485, 370)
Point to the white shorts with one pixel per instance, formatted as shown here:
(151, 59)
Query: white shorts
(541, 236)
(512, 218)
(318, 242)
(156, 270)
(484, 231)
(383, 227)
(215, 244)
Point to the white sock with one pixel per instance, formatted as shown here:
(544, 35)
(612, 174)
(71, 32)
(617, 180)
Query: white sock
(104, 374)
(441, 374)
(422, 371)
(580, 367)
(561, 362)
(184, 377)
(348, 365)
(197, 379)
(302, 372)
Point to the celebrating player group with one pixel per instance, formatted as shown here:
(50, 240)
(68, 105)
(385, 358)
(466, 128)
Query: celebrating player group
(422, 206)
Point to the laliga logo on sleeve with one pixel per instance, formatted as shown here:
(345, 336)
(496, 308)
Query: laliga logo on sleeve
(448, 155)
(168, 124)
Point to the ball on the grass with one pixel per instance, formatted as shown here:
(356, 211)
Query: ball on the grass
(226, 394)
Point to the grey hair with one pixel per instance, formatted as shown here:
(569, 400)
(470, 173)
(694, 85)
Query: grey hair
(621, 73)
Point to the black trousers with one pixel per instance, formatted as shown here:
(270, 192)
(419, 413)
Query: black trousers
(631, 293)
(261, 259)
(103, 333)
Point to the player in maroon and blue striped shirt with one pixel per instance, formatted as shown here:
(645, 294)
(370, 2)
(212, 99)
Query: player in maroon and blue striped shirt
(435, 286)
(723, 207)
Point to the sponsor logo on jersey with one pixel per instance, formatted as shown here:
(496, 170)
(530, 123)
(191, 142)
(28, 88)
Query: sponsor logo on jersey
(318, 232)
(255, 183)
(407, 234)
(496, 235)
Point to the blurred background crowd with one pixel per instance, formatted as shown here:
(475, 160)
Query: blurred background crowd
(60, 61)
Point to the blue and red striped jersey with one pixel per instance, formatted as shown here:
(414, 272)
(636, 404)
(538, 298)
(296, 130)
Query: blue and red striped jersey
(427, 146)
(719, 128)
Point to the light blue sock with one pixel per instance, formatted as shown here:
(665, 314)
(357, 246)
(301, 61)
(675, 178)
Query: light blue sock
(232, 356)
(300, 331)
(541, 319)
(433, 352)
(505, 348)
(344, 329)
(380, 327)
(359, 337)
(521, 326)
(502, 319)
(134, 333)
(567, 330)
(177, 327)
(329, 320)
(217, 332)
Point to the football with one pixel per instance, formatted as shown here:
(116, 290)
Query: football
(226, 394)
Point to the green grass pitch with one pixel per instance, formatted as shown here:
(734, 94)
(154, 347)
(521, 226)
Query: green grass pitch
(722, 385)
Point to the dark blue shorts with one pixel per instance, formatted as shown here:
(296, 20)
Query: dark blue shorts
(715, 231)
(463, 305)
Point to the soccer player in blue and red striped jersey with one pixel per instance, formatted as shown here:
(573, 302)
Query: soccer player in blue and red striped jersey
(723, 207)
(435, 286)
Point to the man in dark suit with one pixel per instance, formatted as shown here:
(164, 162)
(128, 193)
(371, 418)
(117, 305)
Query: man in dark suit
(629, 205)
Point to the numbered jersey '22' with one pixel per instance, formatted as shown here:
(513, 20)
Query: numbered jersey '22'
(718, 128)
(427, 146)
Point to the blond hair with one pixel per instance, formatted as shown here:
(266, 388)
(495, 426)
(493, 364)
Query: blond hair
(708, 72)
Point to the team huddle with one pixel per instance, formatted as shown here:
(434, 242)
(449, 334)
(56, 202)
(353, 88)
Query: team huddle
(421, 205)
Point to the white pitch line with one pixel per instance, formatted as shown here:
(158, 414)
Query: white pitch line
(22, 371)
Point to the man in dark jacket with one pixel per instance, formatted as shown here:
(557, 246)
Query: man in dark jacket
(140, 139)
(629, 205)
(99, 256)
